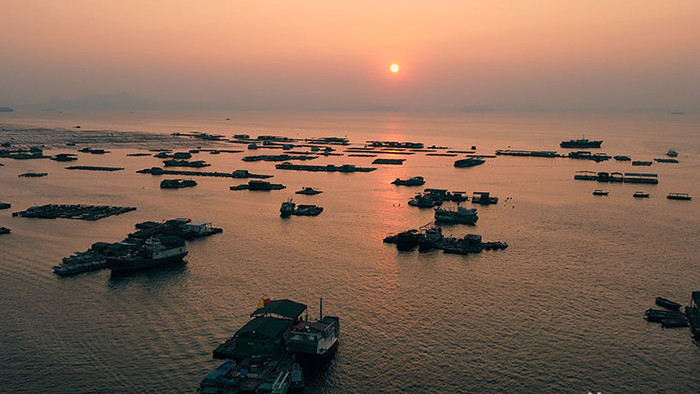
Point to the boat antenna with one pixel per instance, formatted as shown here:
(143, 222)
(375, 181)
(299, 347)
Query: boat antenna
(321, 310)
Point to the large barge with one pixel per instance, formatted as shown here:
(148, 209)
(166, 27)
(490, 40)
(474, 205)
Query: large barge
(326, 168)
(234, 174)
(627, 177)
(580, 143)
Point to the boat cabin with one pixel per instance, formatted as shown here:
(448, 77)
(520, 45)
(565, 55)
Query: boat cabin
(264, 336)
(315, 338)
(280, 309)
(199, 228)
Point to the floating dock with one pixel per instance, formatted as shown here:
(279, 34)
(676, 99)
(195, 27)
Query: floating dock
(234, 174)
(94, 168)
(627, 177)
(79, 211)
(326, 168)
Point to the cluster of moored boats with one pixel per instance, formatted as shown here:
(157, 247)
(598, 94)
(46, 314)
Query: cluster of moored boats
(152, 244)
(431, 238)
(671, 316)
(270, 352)
(436, 197)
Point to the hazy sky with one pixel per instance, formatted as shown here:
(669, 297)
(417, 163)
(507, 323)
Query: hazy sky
(558, 54)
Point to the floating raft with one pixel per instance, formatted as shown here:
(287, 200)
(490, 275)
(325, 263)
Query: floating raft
(628, 177)
(94, 168)
(235, 174)
(326, 168)
(33, 175)
(533, 153)
(278, 157)
(79, 212)
(388, 161)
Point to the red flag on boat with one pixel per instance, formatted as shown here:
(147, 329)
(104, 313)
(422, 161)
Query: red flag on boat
(267, 300)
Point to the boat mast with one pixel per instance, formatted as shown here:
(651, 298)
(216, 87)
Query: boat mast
(321, 310)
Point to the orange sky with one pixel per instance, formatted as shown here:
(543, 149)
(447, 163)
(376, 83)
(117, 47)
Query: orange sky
(621, 54)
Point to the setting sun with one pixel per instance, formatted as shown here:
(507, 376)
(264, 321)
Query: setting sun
(394, 68)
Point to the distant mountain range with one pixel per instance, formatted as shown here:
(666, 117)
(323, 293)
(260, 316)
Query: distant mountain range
(118, 101)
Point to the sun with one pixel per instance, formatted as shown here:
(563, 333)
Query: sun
(394, 68)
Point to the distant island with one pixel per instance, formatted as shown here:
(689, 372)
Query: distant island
(6, 109)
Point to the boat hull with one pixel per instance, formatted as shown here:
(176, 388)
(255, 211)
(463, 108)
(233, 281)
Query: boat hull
(580, 144)
(131, 265)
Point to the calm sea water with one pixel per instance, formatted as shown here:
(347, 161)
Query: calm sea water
(559, 310)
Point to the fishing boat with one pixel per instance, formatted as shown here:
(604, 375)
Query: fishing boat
(673, 323)
(469, 162)
(668, 304)
(460, 215)
(672, 153)
(678, 196)
(639, 194)
(580, 143)
(657, 315)
(156, 251)
(309, 191)
(177, 183)
(413, 181)
(257, 185)
(307, 210)
(287, 208)
(599, 192)
(484, 198)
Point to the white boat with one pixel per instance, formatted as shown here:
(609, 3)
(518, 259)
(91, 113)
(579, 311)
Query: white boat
(460, 215)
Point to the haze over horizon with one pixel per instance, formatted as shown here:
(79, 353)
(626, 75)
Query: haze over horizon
(551, 55)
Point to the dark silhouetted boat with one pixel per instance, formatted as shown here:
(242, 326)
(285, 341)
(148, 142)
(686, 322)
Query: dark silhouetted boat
(484, 198)
(599, 192)
(309, 191)
(469, 162)
(413, 181)
(679, 196)
(640, 195)
(176, 183)
(581, 143)
(668, 304)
